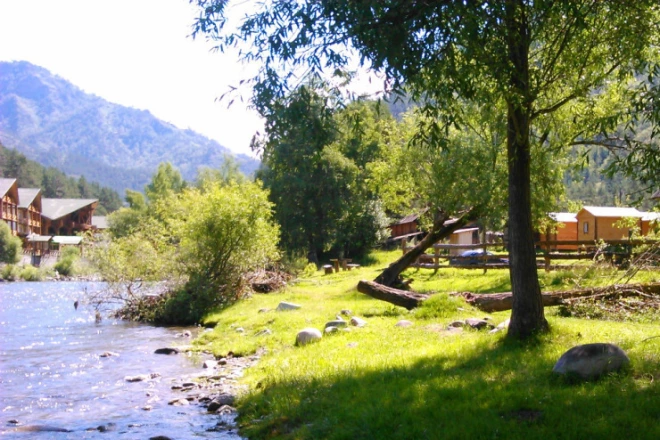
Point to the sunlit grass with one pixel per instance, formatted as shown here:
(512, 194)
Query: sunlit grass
(388, 382)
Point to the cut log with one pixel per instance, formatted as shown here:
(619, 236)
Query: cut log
(398, 297)
(497, 302)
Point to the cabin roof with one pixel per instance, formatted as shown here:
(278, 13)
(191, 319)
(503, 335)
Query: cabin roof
(5, 186)
(563, 217)
(611, 211)
(58, 208)
(26, 196)
(100, 221)
(651, 216)
(459, 231)
(65, 239)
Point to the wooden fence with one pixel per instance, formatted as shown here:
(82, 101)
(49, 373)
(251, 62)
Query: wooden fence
(612, 250)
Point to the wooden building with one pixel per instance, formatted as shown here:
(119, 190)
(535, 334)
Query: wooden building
(463, 236)
(565, 228)
(600, 222)
(9, 203)
(404, 227)
(67, 216)
(650, 223)
(29, 211)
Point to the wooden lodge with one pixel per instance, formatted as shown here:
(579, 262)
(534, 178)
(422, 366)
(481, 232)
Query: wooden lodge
(67, 216)
(9, 203)
(29, 211)
(565, 228)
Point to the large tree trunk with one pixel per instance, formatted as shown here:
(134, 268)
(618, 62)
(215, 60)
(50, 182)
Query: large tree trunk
(498, 302)
(442, 227)
(527, 315)
(402, 298)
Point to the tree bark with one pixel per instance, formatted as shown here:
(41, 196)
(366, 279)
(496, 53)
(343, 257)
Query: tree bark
(442, 227)
(527, 317)
(497, 302)
(398, 297)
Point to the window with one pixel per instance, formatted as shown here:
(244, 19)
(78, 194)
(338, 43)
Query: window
(585, 228)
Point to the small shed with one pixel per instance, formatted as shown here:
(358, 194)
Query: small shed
(599, 222)
(565, 229)
(406, 226)
(650, 223)
(463, 236)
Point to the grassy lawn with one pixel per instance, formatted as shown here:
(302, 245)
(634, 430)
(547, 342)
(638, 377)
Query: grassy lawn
(422, 382)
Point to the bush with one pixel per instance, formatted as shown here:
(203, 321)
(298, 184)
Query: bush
(11, 272)
(31, 273)
(66, 265)
(10, 246)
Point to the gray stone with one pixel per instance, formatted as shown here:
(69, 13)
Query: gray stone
(331, 330)
(264, 332)
(590, 361)
(220, 401)
(264, 310)
(346, 312)
(138, 378)
(210, 364)
(403, 323)
(287, 306)
(478, 324)
(456, 324)
(166, 351)
(358, 322)
(336, 323)
(240, 330)
(308, 335)
(107, 354)
(179, 402)
(501, 327)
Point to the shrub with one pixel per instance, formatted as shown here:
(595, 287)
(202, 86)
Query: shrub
(11, 272)
(10, 246)
(66, 265)
(31, 273)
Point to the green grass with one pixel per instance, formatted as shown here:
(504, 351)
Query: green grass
(420, 382)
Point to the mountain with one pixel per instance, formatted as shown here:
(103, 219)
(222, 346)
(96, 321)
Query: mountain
(55, 123)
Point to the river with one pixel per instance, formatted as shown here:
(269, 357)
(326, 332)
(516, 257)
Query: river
(52, 374)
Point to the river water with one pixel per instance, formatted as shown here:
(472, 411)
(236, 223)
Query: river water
(52, 374)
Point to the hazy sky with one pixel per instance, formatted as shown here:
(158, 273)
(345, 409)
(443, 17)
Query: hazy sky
(136, 53)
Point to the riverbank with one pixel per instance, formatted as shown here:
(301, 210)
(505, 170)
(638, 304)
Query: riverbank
(427, 373)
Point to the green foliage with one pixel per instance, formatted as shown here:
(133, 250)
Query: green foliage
(10, 272)
(67, 261)
(31, 273)
(10, 246)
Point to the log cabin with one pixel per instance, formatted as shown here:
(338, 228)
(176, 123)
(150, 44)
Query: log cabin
(67, 216)
(29, 211)
(9, 203)
(601, 223)
(565, 229)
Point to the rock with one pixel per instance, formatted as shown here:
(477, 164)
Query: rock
(220, 401)
(346, 312)
(478, 324)
(166, 351)
(336, 323)
(209, 364)
(287, 306)
(240, 330)
(331, 330)
(352, 344)
(226, 409)
(264, 310)
(179, 402)
(590, 361)
(13, 422)
(501, 327)
(358, 322)
(308, 335)
(147, 408)
(138, 378)
(187, 334)
(107, 354)
(456, 324)
(403, 323)
(264, 332)
(160, 437)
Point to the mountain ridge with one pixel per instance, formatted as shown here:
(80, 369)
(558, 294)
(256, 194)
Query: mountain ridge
(54, 122)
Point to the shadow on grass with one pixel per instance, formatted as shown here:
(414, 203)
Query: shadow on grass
(501, 391)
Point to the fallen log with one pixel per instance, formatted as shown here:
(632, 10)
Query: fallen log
(398, 297)
(497, 302)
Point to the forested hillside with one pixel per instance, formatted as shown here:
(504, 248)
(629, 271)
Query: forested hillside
(55, 123)
(54, 183)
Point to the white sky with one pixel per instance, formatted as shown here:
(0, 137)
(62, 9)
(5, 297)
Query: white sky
(136, 53)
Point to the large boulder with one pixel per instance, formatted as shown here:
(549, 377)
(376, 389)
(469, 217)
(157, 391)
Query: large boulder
(590, 361)
(308, 335)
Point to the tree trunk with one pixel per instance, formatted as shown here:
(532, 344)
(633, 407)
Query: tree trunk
(402, 298)
(527, 317)
(498, 302)
(442, 227)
